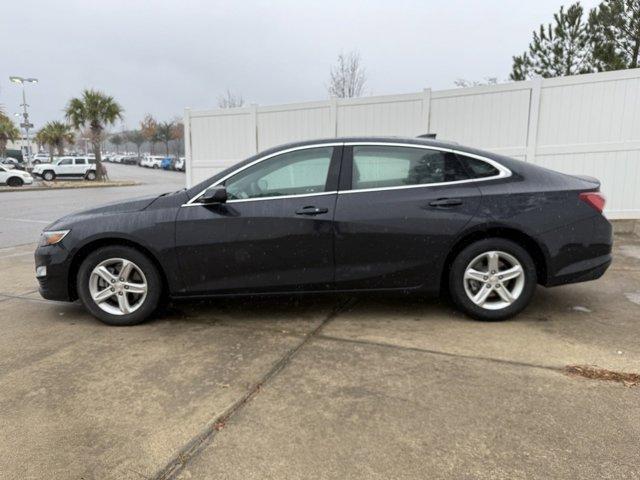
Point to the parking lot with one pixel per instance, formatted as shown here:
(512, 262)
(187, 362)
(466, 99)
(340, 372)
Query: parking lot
(313, 387)
(23, 215)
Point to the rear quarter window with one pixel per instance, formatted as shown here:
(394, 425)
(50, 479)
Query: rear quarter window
(480, 168)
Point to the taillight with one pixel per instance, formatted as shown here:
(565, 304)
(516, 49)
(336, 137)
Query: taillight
(594, 199)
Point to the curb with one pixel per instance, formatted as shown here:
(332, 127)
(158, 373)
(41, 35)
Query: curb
(68, 187)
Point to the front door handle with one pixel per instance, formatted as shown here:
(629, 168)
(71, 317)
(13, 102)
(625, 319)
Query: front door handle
(311, 210)
(445, 202)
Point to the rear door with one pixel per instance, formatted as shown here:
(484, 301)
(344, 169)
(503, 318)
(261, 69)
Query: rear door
(275, 232)
(398, 210)
(79, 167)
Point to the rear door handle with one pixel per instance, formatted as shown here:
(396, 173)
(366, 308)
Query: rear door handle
(445, 202)
(311, 210)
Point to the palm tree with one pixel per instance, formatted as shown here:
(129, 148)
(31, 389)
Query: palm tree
(58, 134)
(94, 110)
(165, 133)
(8, 133)
(43, 137)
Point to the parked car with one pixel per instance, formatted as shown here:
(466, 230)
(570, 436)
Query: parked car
(152, 161)
(11, 162)
(180, 164)
(41, 158)
(67, 167)
(168, 163)
(14, 177)
(353, 214)
(130, 160)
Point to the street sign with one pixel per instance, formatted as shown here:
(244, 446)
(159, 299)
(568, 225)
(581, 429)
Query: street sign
(26, 125)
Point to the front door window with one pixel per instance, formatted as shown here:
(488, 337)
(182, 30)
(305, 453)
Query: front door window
(295, 173)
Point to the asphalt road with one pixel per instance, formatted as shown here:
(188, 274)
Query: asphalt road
(23, 214)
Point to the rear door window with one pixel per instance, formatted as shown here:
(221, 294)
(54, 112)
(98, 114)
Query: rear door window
(390, 166)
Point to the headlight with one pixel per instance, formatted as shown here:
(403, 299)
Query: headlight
(53, 237)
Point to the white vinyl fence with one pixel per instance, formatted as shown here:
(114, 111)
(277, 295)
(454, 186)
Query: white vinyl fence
(585, 124)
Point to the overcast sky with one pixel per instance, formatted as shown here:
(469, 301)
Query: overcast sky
(162, 56)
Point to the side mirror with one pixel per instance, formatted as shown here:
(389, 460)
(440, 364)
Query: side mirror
(217, 194)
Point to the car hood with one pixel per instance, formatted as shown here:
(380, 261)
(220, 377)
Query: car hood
(133, 205)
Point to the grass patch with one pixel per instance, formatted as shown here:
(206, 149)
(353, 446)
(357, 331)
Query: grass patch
(594, 373)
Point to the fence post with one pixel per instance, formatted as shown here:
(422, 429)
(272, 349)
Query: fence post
(333, 106)
(187, 146)
(254, 126)
(426, 110)
(534, 114)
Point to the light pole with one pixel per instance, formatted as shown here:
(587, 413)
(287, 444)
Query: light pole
(25, 114)
(22, 145)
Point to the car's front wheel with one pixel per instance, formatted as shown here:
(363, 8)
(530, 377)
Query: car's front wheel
(48, 175)
(15, 182)
(119, 285)
(492, 279)
(91, 175)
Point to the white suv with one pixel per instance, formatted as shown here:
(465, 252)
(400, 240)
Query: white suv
(152, 161)
(41, 158)
(67, 167)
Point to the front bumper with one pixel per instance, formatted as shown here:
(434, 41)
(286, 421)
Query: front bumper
(55, 284)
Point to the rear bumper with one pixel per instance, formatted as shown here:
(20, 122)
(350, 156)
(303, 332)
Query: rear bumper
(578, 252)
(583, 271)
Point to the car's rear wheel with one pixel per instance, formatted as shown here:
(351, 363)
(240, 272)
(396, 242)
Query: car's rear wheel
(119, 285)
(48, 175)
(91, 175)
(15, 182)
(492, 279)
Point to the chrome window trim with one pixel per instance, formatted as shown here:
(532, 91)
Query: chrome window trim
(192, 201)
(504, 172)
(258, 199)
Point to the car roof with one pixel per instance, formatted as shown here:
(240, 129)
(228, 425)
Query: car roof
(385, 139)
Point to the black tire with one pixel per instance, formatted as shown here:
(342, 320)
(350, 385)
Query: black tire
(90, 175)
(36, 162)
(15, 182)
(48, 175)
(154, 285)
(465, 257)
(155, 167)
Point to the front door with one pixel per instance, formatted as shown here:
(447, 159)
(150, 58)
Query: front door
(275, 232)
(398, 210)
(65, 167)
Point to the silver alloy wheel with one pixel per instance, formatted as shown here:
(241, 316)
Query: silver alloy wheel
(118, 286)
(494, 280)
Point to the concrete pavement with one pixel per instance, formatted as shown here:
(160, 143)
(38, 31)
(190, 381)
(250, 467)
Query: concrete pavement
(320, 387)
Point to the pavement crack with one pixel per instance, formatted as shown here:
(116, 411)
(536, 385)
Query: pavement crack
(442, 353)
(21, 296)
(194, 446)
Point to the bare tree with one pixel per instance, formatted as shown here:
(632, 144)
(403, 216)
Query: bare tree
(347, 77)
(230, 100)
(464, 83)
